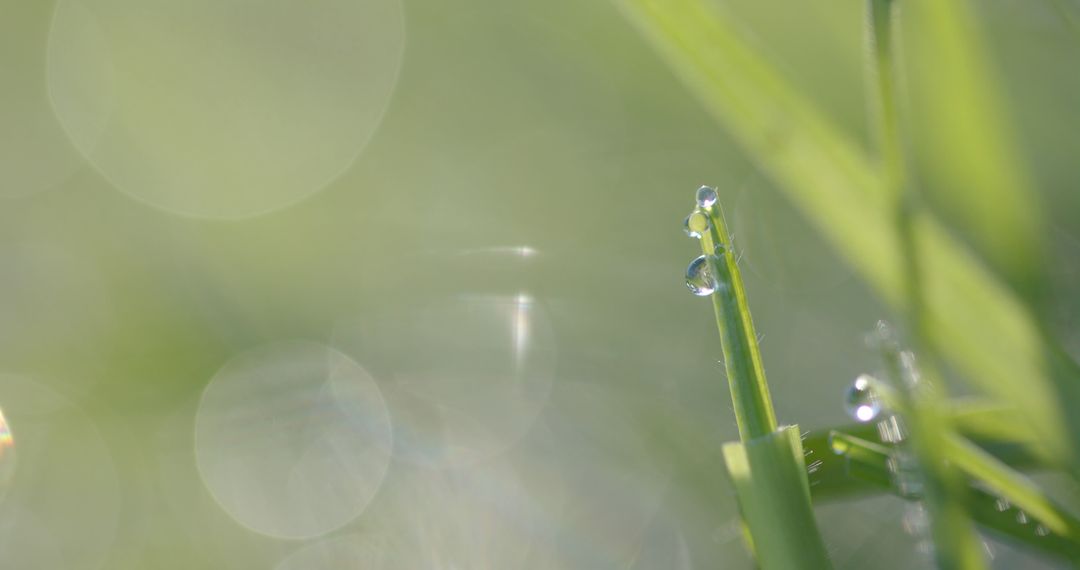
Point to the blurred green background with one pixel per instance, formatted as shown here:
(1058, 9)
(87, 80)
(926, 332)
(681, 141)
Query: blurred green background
(384, 284)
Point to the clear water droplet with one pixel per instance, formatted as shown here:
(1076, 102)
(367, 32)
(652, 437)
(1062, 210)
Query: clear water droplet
(861, 401)
(1002, 505)
(696, 224)
(699, 277)
(837, 444)
(706, 196)
(1042, 530)
(1021, 517)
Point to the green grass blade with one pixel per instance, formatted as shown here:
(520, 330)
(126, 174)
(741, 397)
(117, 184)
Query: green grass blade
(1010, 485)
(767, 466)
(769, 476)
(999, 431)
(871, 461)
(980, 179)
(742, 357)
(993, 428)
(880, 41)
(976, 322)
(863, 460)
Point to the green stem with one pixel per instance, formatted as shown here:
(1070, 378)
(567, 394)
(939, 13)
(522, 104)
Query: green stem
(880, 40)
(954, 535)
(944, 489)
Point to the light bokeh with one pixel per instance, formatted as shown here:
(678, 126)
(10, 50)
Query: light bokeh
(478, 395)
(293, 439)
(223, 109)
(399, 284)
(62, 462)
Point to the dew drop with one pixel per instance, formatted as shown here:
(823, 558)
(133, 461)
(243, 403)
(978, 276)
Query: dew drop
(706, 196)
(1021, 517)
(1042, 530)
(1001, 505)
(699, 277)
(696, 224)
(861, 401)
(838, 445)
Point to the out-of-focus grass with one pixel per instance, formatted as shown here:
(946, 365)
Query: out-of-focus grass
(550, 125)
(975, 320)
(987, 325)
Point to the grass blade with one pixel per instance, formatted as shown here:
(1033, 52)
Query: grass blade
(980, 180)
(976, 322)
(871, 461)
(767, 466)
(742, 357)
(1010, 485)
(770, 478)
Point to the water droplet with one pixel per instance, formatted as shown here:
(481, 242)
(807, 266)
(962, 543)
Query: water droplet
(1021, 517)
(1042, 530)
(699, 277)
(696, 224)
(1001, 505)
(706, 196)
(837, 444)
(861, 401)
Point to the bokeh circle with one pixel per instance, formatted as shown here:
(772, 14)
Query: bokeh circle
(293, 439)
(223, 109)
